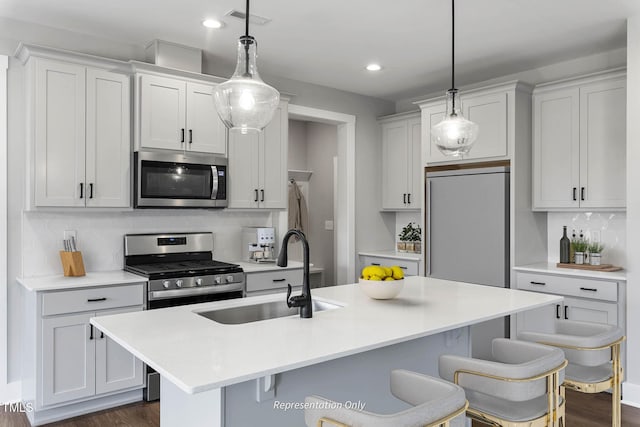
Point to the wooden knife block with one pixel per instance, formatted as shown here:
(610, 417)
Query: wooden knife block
(72, 264)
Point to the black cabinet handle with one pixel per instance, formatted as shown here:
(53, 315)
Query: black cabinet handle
(181, 135)
(278, 280)
(402, 267)
(190, 136)
(375, 263)
(575, 195)
(582, 193)
(256, 194)
(538, 283)
(557, 311)
(589, 289)
(566, 312)
(404, 198)
(81, 190)
(91, 190)
(96, 299)
(262, 195)
(101, 335)
(91, 334)
(409, 198)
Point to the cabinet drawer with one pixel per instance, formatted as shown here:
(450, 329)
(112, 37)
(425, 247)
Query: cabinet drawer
(409, 267)
(273, 279)
(92, 299)
(569, 286)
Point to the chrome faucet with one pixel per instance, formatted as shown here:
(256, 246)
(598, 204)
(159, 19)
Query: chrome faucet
(304, 299)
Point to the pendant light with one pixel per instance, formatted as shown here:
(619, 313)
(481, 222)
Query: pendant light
(454, 135)
(245, 102)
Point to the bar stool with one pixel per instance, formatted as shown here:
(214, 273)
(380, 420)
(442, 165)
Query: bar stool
(593, 352)
(520, 386)
(436, 403)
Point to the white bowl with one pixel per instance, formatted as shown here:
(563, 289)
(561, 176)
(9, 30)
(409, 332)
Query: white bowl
(381, 289)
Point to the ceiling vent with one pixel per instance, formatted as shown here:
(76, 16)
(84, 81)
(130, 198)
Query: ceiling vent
(253, 19)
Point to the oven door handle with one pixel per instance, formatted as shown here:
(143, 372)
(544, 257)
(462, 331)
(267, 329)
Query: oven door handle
(214, 182)
(186, 292)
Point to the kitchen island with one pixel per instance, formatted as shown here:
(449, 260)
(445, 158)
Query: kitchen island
(250, 374)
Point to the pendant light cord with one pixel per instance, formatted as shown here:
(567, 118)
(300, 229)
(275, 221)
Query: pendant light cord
(246, 24)
(246, 42)
(453, 32)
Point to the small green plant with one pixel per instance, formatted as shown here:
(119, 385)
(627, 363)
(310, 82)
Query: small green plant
(595, 248)
(411, 233)
(580, 245)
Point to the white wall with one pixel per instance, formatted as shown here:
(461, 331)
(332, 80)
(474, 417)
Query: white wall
(631, 390)
(611, 226)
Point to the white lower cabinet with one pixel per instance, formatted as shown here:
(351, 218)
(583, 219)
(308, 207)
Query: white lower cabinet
(68, 362)
(411, 267)
(273, 281)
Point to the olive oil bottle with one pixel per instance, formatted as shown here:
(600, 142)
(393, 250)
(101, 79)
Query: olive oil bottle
(565, 247)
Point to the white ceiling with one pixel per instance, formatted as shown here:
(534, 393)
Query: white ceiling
(328, 42)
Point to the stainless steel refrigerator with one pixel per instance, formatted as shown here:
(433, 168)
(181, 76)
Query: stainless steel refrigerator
(467, 236)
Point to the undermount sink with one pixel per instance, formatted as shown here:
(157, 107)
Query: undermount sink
(262, 311)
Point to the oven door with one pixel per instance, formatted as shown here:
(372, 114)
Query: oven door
(179, 180)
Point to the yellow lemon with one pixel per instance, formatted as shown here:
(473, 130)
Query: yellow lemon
(397, 272)
(388, 278)
(388, 272)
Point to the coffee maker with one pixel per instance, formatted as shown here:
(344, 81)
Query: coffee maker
(260, 243)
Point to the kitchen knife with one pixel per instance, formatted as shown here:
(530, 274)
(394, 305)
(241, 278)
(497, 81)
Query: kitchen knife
(73, 244)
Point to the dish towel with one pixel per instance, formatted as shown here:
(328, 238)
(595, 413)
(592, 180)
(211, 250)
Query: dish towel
(298, 215)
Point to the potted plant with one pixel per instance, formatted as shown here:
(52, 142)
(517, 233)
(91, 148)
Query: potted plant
(595, 253)
(410, 238)
(579, 247)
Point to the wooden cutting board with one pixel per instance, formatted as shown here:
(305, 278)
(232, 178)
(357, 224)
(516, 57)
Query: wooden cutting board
(601, 267)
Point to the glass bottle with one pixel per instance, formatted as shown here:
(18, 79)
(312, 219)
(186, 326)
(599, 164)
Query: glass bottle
(565, 245)
(572, 251)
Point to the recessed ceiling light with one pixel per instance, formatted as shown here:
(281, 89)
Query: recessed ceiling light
(212, 23)
(374, 67)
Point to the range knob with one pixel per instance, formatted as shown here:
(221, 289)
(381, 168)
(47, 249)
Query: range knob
(198, 281)
(179, 283)
(166, 284)
(229, 279)
(218, 280)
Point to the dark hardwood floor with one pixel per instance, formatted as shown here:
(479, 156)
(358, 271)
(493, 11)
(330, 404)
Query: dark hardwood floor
(583, 410)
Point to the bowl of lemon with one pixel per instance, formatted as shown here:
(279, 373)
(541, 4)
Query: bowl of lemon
(381, 282)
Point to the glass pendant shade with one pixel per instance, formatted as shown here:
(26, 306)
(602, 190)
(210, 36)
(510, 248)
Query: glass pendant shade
(454, 135)
(245, 102)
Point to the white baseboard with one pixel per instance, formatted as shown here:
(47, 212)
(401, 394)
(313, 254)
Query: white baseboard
(631, 394)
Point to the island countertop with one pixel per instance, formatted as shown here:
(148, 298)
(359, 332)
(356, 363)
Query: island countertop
(197, 354)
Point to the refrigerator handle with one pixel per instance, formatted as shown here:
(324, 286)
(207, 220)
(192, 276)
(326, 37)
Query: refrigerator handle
(428, 228)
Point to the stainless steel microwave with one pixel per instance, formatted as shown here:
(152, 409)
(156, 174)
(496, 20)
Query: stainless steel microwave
(179, 180)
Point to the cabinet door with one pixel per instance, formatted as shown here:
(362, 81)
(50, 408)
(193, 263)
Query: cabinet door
(116, 368)
(59, 133)
(431, 116)
(243, 179)
(162, 113)
(394, 165)
(489, 112)
(273, 164)
(108, 144)
(205, 131)
(414, 163)
(590, 311)
(603, 146)
(540, 319)
(556, 146)
(68, 358)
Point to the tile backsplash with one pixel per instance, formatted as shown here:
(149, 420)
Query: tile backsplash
(611, 227)
(100, 234)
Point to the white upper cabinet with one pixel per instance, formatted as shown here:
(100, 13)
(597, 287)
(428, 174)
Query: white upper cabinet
(401, 170)
(488, 108)
(81, 135)
(178, 114)
(579, 143)
(258, 165)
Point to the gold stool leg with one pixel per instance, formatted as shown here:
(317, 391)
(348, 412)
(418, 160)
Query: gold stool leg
(616, 407)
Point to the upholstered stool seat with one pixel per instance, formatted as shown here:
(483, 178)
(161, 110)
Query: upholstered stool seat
(593, 352)
(519, 386)
(435, 403)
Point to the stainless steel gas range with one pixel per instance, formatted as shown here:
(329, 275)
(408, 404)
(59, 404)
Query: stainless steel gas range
(181, 270)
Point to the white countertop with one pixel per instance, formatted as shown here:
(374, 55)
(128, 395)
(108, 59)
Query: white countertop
(255, 267)
(551, 268)
(393, 254)
(197, 354)
(58, 281)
